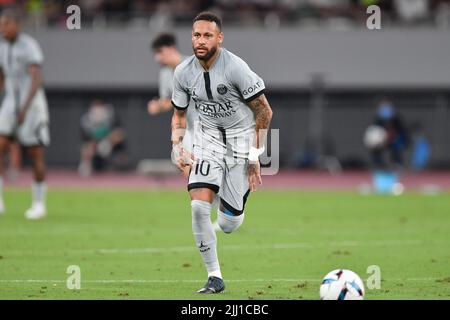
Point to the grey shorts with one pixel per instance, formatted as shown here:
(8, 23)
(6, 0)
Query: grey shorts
(33, 131)
(226, 177)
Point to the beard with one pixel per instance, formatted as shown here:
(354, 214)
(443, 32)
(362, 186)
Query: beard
(207, 55)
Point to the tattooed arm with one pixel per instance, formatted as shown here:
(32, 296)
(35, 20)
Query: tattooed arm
(179, 156)
(263, 115)
(178, 125)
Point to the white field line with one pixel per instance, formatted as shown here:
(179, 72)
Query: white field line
(298, 245)
(239, 247)
(195, 281)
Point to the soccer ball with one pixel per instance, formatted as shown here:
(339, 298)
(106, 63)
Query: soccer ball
(375, 137)
(342, 284)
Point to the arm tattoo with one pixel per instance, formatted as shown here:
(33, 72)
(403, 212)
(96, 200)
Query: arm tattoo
(263, 115)
(262, 111)
(178, 125)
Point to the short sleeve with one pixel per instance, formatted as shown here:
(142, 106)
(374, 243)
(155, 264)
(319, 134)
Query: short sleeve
(165, 85)
(180, 96)
(34, 53)
(247, 82)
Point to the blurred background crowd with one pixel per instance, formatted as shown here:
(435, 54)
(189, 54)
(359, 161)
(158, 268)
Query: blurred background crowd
(262, 13)
(327, 88)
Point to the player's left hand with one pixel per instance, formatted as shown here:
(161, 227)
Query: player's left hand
(254, 175)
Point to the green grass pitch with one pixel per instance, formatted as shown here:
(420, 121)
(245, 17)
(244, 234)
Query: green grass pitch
(139, 245)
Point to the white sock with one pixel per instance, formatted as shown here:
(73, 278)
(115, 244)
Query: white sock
(215, 273)
(205, 237)
(216, 202)
(229, 223)
(39, 190)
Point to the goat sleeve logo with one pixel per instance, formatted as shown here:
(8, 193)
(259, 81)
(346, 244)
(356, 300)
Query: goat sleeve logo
(222, 89)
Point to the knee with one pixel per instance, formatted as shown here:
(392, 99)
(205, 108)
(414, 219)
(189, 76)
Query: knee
(229, 223)
(201, 210)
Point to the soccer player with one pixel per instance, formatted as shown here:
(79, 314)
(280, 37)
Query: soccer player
(228, 137)
(166, 53)
(23, 114)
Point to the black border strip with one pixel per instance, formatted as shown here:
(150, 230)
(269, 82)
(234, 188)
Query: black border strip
(197, 185)
(235, 212)
(256, 95)
(246, 196)
(264, 309)
(227, 206)
(208, 85)
(224, 135)
(177, 107)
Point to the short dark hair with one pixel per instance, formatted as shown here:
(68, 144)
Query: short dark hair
(11, 13)
(164, 40)
(209, 16)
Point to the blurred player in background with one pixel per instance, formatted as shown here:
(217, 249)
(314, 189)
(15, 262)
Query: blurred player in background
(14, 152)
(229, 136)
(166, 53)
(24, 114)
(103, 139)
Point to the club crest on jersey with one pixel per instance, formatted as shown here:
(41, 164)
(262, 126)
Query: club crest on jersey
(222, 89)
(192, 93)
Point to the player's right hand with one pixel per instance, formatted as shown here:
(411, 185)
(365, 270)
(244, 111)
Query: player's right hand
(181, 158)
(153, 107)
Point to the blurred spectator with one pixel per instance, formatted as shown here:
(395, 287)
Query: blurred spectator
(103, 140)
(14, 152)
(421, 148)
(162, 13)
(441, 9)
(396, 137)
(411, 10)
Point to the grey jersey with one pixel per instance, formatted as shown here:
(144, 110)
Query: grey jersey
(165, 83)
(15, 58)
(220, 96)
(165, 92)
